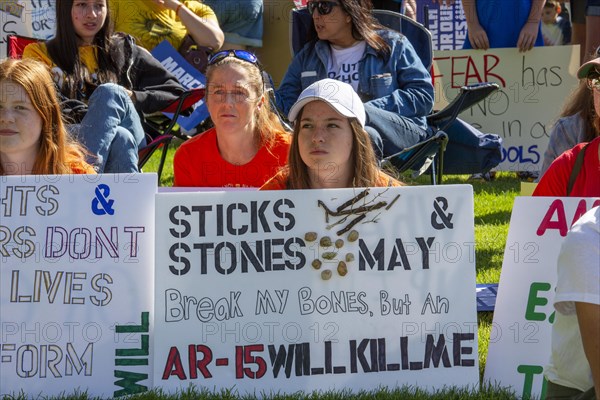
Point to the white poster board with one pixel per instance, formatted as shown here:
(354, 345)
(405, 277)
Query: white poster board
(31, 18)
(240, 306)
(519, 346)
(533, 88)
(76, 279)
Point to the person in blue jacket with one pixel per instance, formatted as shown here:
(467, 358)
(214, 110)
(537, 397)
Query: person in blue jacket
(381, 65)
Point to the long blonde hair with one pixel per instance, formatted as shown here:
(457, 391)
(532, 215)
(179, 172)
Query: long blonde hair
(267, 122)
(362, 159)
(56, 149)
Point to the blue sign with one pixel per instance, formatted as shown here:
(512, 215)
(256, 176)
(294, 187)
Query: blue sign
(188, 76)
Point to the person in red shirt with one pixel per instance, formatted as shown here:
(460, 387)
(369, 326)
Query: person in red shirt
(330, 147)
(567, 176)
(248, 143)
(33, 136)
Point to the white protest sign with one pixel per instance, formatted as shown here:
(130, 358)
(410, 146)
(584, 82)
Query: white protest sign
(533, 88)
(240, 304)
(520, 337)
(76, 279)
(31, 18)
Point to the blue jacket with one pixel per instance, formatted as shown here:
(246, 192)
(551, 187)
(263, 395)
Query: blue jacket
(399, 83)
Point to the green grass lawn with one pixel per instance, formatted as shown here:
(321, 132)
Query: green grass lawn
(493, 205)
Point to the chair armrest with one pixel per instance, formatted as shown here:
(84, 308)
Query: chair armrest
(468, 96)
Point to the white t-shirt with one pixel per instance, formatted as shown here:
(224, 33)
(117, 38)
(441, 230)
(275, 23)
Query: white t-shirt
(578, 281)
(553, 35)
(343, 64)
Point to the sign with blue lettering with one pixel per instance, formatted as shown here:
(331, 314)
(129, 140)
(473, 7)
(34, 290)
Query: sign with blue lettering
(316, 289)
(76, 278)
(533, 86)
(35, 18)
(188, 76)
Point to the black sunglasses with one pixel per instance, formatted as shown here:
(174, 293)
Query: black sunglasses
(239, 54)
(323, 7)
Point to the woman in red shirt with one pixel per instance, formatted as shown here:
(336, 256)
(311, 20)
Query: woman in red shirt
(566, 176)
(248, 143)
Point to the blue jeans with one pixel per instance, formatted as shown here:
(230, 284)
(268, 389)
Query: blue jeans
(111, 130)
(240, 20)
(390, 132)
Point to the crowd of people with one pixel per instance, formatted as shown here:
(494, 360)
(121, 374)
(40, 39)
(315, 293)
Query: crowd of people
(355, 93)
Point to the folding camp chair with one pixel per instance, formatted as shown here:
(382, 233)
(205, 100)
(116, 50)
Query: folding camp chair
(423, 153)
(157, 136)
(16, 45)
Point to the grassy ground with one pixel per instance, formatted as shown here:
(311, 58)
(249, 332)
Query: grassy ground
(493, 205)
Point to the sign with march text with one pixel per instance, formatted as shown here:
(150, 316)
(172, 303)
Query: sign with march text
(76, 279)
(519, 346)
(316, 289)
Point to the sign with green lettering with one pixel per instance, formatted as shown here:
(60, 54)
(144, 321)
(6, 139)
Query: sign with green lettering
(519, 346)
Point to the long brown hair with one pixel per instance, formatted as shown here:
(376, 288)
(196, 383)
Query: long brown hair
(56, 150)
(63, 49)
(364, 25)
(267, 121)
(362, 159)
(581, 102)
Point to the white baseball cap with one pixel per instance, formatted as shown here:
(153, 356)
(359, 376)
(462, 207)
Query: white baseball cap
(339, 95)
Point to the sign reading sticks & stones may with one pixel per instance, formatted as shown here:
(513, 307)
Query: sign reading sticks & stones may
(316, 289)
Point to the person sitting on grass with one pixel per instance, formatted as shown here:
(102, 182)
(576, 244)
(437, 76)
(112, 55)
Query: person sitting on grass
(576, 172)
(33, 138)
(117, 82)
(330, 147)
(248, 143)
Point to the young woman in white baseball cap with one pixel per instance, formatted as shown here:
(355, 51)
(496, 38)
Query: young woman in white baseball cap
(330, 147)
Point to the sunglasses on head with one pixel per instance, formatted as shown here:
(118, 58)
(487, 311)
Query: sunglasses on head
(239, 54)
(323, 7)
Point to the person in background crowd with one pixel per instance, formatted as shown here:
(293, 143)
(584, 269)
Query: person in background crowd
(33, 138)
(152, 21)
(381, 65)
(576, 172)
(240, 20)
(585, 20)
(555, 29)
(330, 147)
(110, 74)
(248, 143)
(579, 120)
(574, 368)
(503, 23)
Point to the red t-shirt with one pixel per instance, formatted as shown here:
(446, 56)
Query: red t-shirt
(198, 163)
(554, 182)
(279, 181)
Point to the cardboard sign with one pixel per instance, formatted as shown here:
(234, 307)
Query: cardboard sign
(31, 18)
(188, 76)
(447, 24)
(316, 289)
(533, 87)
(520, 345)
(76, 278)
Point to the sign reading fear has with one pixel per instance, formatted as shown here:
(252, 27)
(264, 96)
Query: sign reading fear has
(76, 278)
(520, 338)
(533, 87)
(316, 289)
